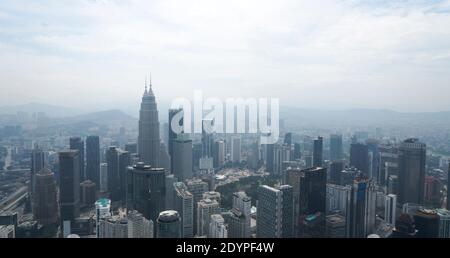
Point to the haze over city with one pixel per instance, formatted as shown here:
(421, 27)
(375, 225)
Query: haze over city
(95, 55)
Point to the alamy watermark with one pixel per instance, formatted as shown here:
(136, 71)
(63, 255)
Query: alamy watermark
(232, 116)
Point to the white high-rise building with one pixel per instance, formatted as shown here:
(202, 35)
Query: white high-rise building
(139, 226)
(242, 206)
(102, 211)
(184, 204)
(217, 227)
(338, 198)
(389, 209)
(205, 208)
(113, 227)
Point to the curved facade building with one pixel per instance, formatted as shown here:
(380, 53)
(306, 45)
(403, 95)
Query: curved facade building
(168, 225)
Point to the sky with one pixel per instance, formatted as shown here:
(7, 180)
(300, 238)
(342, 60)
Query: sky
(322, 54)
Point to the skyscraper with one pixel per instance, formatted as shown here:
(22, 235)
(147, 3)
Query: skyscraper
(207, 138)
(88, 193)
(93, 159)
(338, 199)
(287, 218)
(297, 151)
(103, 177)
(184, 204)
(359, 157)
(241, 209)
(112, 159)
(374, 158)
(76, 143)
(172, 134)
(390, 209)
(146, 190)
(270, 150)
(318, 152)
(37, 164)
(115, 226)
(45, 204)
(271, 211)
(148, 139)
(411, 177)
(217, 227)
(336, 151)
(236, 149)
(312, 202)
(219, 154)
(69, 185)
(336, 168)
(288, 138)
(361, 216)
(196, 187)
(168, 225)
(313, 183)
(139, 226)
(102, 211)
(205, 208)
(388, 159)
(124, 160)
(427, 223)
(182, 158)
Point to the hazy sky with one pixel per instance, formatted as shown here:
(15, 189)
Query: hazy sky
(317, 54)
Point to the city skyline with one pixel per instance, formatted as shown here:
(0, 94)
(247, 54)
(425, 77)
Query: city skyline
(302, 142)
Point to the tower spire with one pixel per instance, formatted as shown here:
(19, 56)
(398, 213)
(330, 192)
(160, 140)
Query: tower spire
(145, 84)
(150, 80)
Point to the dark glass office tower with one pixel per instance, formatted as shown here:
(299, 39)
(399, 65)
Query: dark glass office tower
(112, 159)
(76, 143)
(288, 139)
(124, 161)
(336, 167)
(411, 177)
(149, 143)
(312, 202)
(69, 184)
(270, 154)
(427, 223)
(297, 151)
(318, 152)
(45, 203)
(146, 190)
(336, 151)
(359, 157)
(93, 159)
(37, 164)
(312, 189)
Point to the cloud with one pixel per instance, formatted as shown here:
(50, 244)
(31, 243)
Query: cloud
(332, 54)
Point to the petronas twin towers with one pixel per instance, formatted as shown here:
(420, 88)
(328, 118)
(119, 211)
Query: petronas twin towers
(149, 144)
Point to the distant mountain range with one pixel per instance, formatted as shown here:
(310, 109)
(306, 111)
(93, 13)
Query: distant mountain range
(291, 115)
(113, 116)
